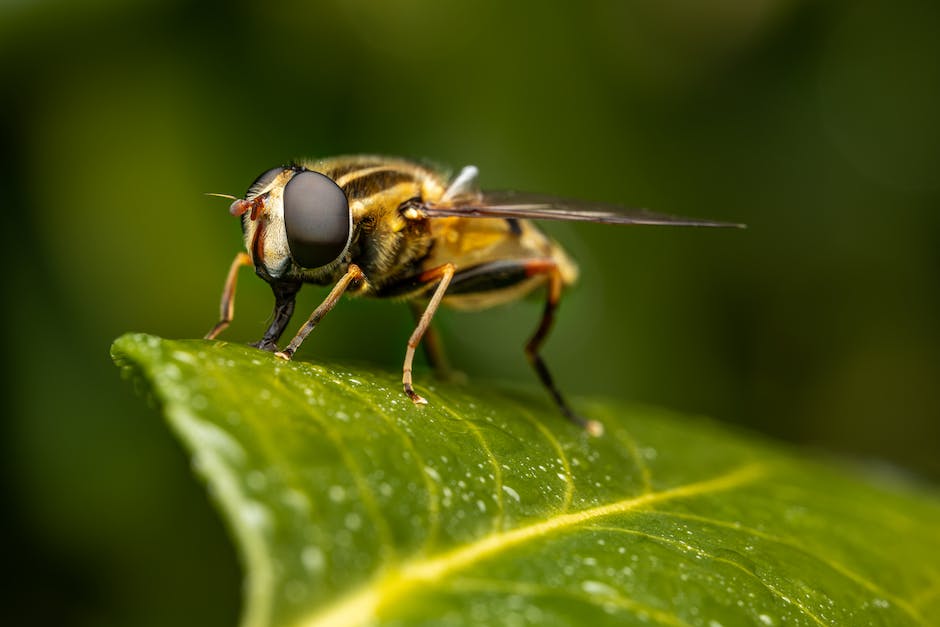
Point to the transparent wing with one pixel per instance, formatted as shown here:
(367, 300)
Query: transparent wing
(541, 207)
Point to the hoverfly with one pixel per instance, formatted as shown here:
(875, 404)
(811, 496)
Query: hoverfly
(392, 228)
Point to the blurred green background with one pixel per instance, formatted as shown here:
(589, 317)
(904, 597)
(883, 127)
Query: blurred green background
(814, 122)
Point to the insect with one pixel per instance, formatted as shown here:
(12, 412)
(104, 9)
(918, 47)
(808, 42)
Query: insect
(392, 228)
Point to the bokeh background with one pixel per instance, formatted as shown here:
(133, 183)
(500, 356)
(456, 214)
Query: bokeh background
(814, 122)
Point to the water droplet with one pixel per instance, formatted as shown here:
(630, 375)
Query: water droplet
(217, 439)
(312, 558)
(432, 473)
(562, 476)
(767, 620)
(337, 493)
(296, 500)
(533, 615)
(596, 587)
(254, 514)
(180, 355)
(512, 493)
(481, 505)
(881, 603)
(256, 480)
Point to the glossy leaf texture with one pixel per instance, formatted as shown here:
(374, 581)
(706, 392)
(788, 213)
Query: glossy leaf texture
(352, 506)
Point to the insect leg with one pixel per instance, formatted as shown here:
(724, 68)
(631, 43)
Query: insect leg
(443, 275)
(227, 306)
(534, 344)
(352, 274)
(284, 293)
(432, 345)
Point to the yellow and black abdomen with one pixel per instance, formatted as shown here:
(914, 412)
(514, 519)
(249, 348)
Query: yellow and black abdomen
(494, 259)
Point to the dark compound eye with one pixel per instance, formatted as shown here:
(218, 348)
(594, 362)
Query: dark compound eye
(262, 182)
(316, 218)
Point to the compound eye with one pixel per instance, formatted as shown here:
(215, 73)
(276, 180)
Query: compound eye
(262, 182)
(316, 218)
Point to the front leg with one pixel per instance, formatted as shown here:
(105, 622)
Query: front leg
(227, 305)
(353, 274)
(284, 295)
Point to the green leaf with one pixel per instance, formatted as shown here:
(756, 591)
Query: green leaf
(351, 505)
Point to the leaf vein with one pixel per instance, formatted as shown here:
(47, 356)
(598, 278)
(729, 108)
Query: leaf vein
(434, 495)
(360, 606)
(845, 571)
(688, 548)
(362, 486)
(522, 588)
(498, 521)
(555, 444)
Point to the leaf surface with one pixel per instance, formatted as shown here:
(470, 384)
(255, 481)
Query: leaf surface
(352, 506)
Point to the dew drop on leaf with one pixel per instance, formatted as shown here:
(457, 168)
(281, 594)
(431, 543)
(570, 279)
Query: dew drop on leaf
(320, 519)
(296, 500)
(256, 480)
(254, 514)
(598, 588)
(337, 493)
(312, 558)
(512, 493)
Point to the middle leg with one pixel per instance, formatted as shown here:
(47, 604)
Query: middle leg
(506, 274)
(352, 274)
(433, 346)
(442, 274)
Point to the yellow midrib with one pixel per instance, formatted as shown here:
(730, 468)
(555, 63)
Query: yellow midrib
(360, 606)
